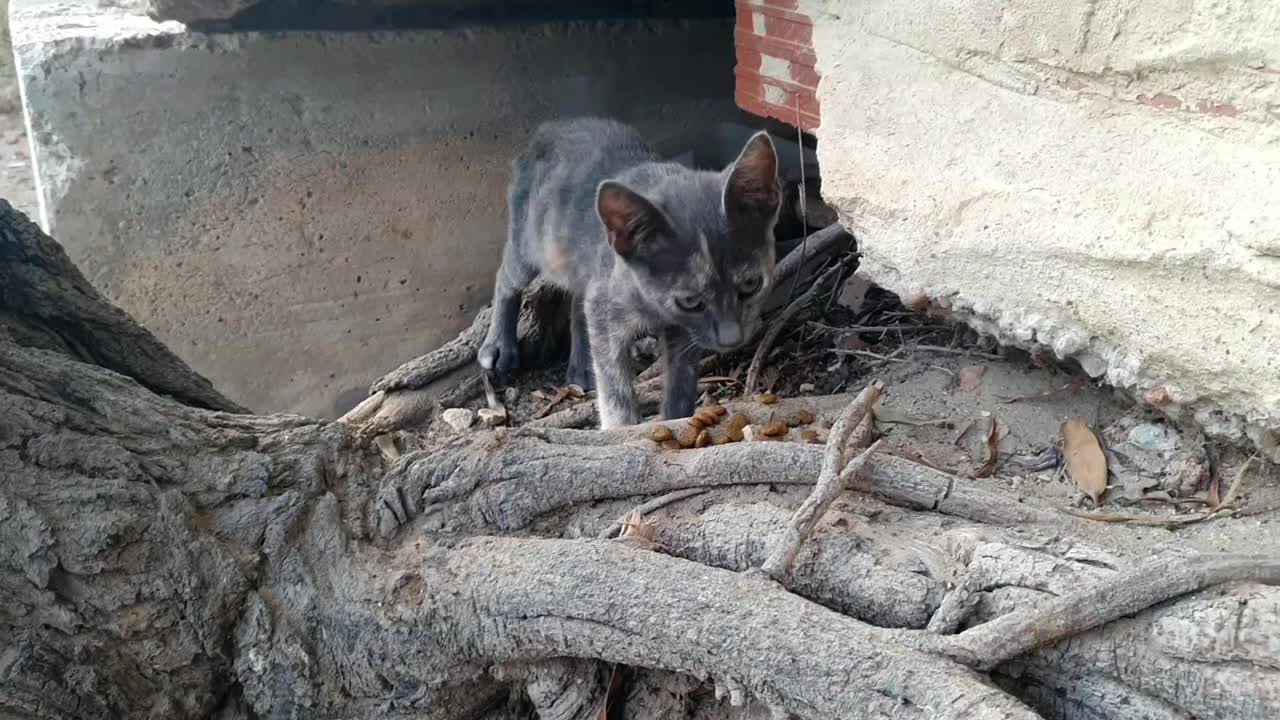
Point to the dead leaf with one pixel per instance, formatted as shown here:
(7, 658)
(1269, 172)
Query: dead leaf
(993, 449)
(1085, 460)
(1214, 498)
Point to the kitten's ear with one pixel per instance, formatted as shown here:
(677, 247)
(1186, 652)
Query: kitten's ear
(753, 187)
(630, 219)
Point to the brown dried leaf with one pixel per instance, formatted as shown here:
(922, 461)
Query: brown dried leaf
(767, 398)
(1214, 497)
(809, 436)
(671, 444)
(1085, 459)
(993, 451)
(805, 417)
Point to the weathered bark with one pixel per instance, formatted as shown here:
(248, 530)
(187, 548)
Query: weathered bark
(162, 560)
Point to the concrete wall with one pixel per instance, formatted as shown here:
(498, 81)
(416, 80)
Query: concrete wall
(297, 213)
(1095, 177)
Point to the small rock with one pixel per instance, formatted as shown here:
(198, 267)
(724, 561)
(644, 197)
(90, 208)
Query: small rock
(492, 418)
(971, 377)
(1153, 437)
(806, 387)
(854, 292)
(510, 395)
(458, 418)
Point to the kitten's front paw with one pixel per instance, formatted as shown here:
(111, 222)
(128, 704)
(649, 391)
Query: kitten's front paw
(581, 376)
(501, 356)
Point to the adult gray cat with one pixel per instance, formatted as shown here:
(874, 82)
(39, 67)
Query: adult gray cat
(644, 246)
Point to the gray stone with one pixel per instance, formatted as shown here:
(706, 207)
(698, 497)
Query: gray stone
(492, 418)
(295, 214)
(458, 418)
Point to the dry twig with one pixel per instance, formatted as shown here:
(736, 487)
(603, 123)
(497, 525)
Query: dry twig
(783, 320)
(649, 507)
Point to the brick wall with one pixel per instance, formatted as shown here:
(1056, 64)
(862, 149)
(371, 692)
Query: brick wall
(776, 74)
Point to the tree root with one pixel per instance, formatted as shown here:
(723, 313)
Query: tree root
(831, 482)
(520, 600)
(1008, 636)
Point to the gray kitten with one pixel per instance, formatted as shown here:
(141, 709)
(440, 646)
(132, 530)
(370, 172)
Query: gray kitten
(644, 246)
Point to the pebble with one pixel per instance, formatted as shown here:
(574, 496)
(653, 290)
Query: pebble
(492, 418)
(458, 418)
(1153, 437)
(807, 387)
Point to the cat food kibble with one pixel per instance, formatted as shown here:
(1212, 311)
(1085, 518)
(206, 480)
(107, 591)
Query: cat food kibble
(775, 428)
(733, 426)
(805, 417)
(703, 439)
(671, 444)
(767, 398)
(688, 435)
(662, 433)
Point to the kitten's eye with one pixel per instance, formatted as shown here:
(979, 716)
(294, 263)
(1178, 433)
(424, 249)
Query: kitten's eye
(750, 286)
(689, 303)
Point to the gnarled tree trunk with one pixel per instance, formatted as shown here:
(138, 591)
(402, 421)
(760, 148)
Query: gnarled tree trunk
(165, 555)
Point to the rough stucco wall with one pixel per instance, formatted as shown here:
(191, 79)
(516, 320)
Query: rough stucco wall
(1094, 176)
(296, 214)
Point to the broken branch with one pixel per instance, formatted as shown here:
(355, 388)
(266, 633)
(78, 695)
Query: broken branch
(783, 320)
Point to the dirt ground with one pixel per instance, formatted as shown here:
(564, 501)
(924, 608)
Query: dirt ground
(17, 184)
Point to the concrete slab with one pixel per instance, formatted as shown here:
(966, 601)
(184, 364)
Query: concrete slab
(297, 213)
(1093, 178)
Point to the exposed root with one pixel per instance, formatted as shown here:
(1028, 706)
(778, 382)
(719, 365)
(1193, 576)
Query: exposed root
(830, 483)
(1008, 636)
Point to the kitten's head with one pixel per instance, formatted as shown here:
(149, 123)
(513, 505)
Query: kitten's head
(700, 244)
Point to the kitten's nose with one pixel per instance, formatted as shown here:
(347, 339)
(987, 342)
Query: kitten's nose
(729, 334)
